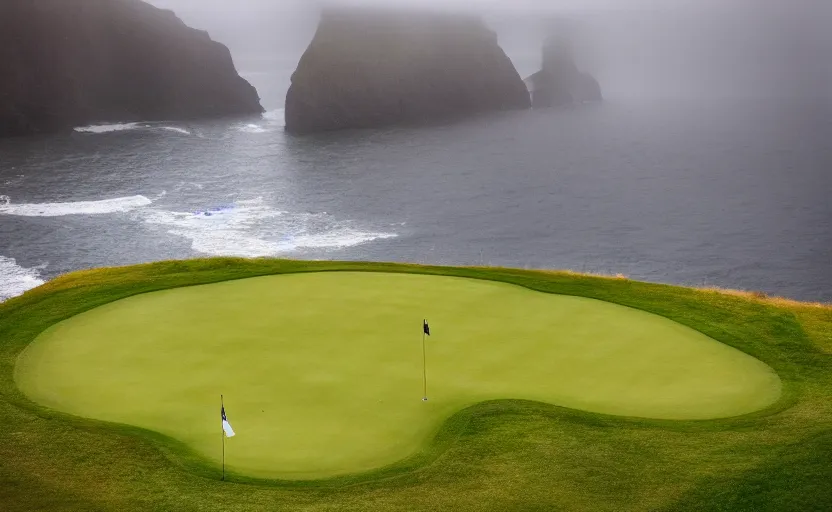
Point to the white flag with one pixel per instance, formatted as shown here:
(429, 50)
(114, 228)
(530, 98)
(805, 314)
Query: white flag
(226, 427)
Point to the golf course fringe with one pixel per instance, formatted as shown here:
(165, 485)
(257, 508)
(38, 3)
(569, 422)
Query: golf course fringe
(495, 455)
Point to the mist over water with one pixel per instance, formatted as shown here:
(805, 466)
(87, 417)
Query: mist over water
(709, 163)
(669, 48)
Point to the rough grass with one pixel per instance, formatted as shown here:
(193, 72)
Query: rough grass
(766, 298)
(498, 455)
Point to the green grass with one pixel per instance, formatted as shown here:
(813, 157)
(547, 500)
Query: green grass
(322, 372)
(493, 455)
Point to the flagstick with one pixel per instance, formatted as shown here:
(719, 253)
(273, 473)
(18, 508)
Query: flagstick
(424, 365)
(223, 443)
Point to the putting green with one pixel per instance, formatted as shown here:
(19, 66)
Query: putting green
(322, 372)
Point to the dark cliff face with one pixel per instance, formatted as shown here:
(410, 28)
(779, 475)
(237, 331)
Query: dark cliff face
(67, 63)
(588, 88)
(560, 82)
(368, 69)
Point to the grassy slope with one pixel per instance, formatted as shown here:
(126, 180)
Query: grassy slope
(322, 371)
(493, 456)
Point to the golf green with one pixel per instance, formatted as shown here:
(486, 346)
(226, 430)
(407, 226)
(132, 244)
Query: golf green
(322, 372)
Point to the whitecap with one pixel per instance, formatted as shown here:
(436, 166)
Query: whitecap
(15, 280)
(120, 127)
(254, 229)
(108, 128)
(233, 243)
(119, 204)
(338, 239)
(251, 128)
(175, 129)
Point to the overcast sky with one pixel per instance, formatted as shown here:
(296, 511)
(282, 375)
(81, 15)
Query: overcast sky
(504, 5)
(731, 45)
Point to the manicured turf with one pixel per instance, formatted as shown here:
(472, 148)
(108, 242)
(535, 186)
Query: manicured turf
(498, 455)
(322, 372)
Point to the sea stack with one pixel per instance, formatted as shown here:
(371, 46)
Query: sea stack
(66, 63)
(372, 68)
(560, 82)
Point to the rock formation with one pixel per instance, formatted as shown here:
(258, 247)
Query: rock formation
(67, 63)
(367, 69)
(560, 82)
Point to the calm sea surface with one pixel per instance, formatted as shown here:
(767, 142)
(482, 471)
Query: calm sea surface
(736, 193)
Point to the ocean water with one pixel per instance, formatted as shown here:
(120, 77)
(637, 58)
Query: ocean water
(729, 192)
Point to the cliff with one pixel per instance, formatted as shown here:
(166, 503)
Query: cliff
(66, 63)
(367, 69)
(560, 82)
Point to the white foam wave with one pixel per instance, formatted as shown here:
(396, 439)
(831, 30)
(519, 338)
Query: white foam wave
(252, 128)
(108, 128)
(120, 127)
(241, 229)
(338, 238)
(119, 204)
(15, 280)
(175, 129)
(271, 120)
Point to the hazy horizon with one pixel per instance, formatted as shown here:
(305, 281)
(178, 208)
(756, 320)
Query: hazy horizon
(635, 47)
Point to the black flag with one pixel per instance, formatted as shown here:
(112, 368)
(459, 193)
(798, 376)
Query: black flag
(427, 328)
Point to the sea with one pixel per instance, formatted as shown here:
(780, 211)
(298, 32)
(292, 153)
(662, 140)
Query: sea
(733, 192)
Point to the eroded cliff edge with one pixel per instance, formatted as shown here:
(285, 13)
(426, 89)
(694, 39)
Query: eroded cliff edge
(65, 64)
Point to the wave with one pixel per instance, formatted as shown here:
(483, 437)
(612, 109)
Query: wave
(175, 129)
(252, 128)
(120, 127)
(271, 120)
(15, 280)
(108, 128)
(253, 229)
(338, 239)
(116, 205)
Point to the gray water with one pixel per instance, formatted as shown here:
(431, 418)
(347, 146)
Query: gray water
(728, 192)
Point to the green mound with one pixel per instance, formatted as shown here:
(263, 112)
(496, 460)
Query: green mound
(322, 372)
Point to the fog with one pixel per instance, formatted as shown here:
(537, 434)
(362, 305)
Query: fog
(650, 48)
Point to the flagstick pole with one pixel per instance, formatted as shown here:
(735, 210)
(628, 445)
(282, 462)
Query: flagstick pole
(222, 405)
(424, 365)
